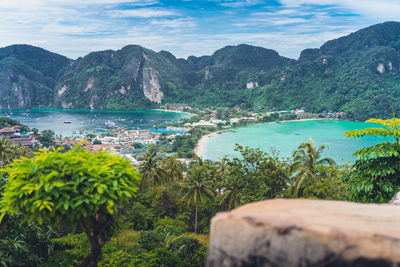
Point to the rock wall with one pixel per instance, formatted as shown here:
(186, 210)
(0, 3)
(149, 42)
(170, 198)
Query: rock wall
(151, 85)
(306, 233)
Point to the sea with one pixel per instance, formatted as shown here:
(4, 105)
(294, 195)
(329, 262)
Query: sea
(285, 137)
(68, 123)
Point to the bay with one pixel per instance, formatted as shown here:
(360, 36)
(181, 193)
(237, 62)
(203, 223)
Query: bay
(285, 137)
(54, 119)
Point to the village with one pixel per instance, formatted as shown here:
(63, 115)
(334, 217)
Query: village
(131, 143)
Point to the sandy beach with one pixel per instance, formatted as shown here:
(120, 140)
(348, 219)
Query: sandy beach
(200, 144)
(175, 111)
(198, 150)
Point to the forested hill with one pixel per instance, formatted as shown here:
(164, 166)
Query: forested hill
(358, 74)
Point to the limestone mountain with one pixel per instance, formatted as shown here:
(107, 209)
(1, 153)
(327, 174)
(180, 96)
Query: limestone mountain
(135, 77)
(358, 74)
(28, 76)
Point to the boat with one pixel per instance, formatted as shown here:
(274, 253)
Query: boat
(67, 122)
(110, 124)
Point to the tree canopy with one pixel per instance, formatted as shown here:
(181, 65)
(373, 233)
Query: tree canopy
(77, 188)
(375, 175)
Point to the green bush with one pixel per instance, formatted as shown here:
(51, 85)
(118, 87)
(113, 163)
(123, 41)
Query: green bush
(141, 217)
(161, 257)
(176, 223)
(118, 258)
(156, 238)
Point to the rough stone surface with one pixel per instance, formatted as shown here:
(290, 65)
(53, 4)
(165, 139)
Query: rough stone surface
(286, 232)
(395, 200)
(151, 85)
(90, 84)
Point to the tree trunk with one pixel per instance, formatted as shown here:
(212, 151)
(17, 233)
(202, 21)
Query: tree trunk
(195, 219)
(94, 239)
(92, 259)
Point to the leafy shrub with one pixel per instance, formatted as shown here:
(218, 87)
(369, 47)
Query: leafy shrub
(141, 217)
(176, 223)
(152, 239)
(118, 258)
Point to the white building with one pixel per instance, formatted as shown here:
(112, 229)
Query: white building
(235, 120)
(216, 121)
(298, 111)
(202, 123)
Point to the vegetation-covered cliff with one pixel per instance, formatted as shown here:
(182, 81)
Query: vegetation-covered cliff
(358, 74)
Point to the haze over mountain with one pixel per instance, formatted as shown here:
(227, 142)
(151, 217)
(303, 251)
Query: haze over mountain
(358, 74)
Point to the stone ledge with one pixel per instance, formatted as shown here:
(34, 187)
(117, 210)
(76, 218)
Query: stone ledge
(298, 232)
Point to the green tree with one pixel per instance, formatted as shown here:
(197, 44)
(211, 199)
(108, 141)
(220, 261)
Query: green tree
(375, 174)
(196, 188)
(46, 138)
(232, 195)
(254, 176)
(137, 145)
(76, 188)
(306, 160)
(150, 168)
(6, 151)
(172, 169)
(10, 151)
(8, 122)
(329, 184)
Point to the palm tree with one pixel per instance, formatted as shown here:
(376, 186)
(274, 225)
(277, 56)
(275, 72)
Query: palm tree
(196, 188)
(10, 151)
(6, 150)
(306, 160)
(150, 169)
(217, 172)
(197, 161)
(232, 194)
(172, 169)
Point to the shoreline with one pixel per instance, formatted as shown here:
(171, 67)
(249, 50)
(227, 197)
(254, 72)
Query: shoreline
(200, 144)
(89, 110)
(174, 111)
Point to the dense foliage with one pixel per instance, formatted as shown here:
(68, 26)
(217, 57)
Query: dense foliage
(357, 74)
(375, 175)
(76, 188)
(98, 205)
(28, 76)
(8, 122)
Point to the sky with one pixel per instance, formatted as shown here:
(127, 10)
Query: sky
(186, 27)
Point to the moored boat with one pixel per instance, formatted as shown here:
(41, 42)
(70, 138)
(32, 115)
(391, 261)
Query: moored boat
(110, 124)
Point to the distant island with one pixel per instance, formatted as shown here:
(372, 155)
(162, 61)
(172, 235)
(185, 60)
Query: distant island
(358, 74)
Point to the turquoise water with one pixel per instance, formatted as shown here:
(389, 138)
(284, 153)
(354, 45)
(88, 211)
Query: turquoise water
(286, 136)
(54, 119)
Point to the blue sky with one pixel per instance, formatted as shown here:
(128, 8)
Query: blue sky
(186, 27)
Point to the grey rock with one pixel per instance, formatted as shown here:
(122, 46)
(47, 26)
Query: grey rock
(306, 233)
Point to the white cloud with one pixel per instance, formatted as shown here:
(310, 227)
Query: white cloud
(239, 3)
(76, 27)
(382, 9)
(20, 4)
(174, 23)
(141, 13)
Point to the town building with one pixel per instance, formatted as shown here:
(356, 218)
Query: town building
(16, 135)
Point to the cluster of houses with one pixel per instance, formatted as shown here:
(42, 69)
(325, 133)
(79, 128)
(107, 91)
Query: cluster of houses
(17, 136)
(124, 142)
(215, 123)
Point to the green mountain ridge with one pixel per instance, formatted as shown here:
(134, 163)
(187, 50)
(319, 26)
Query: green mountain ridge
(358, 74)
